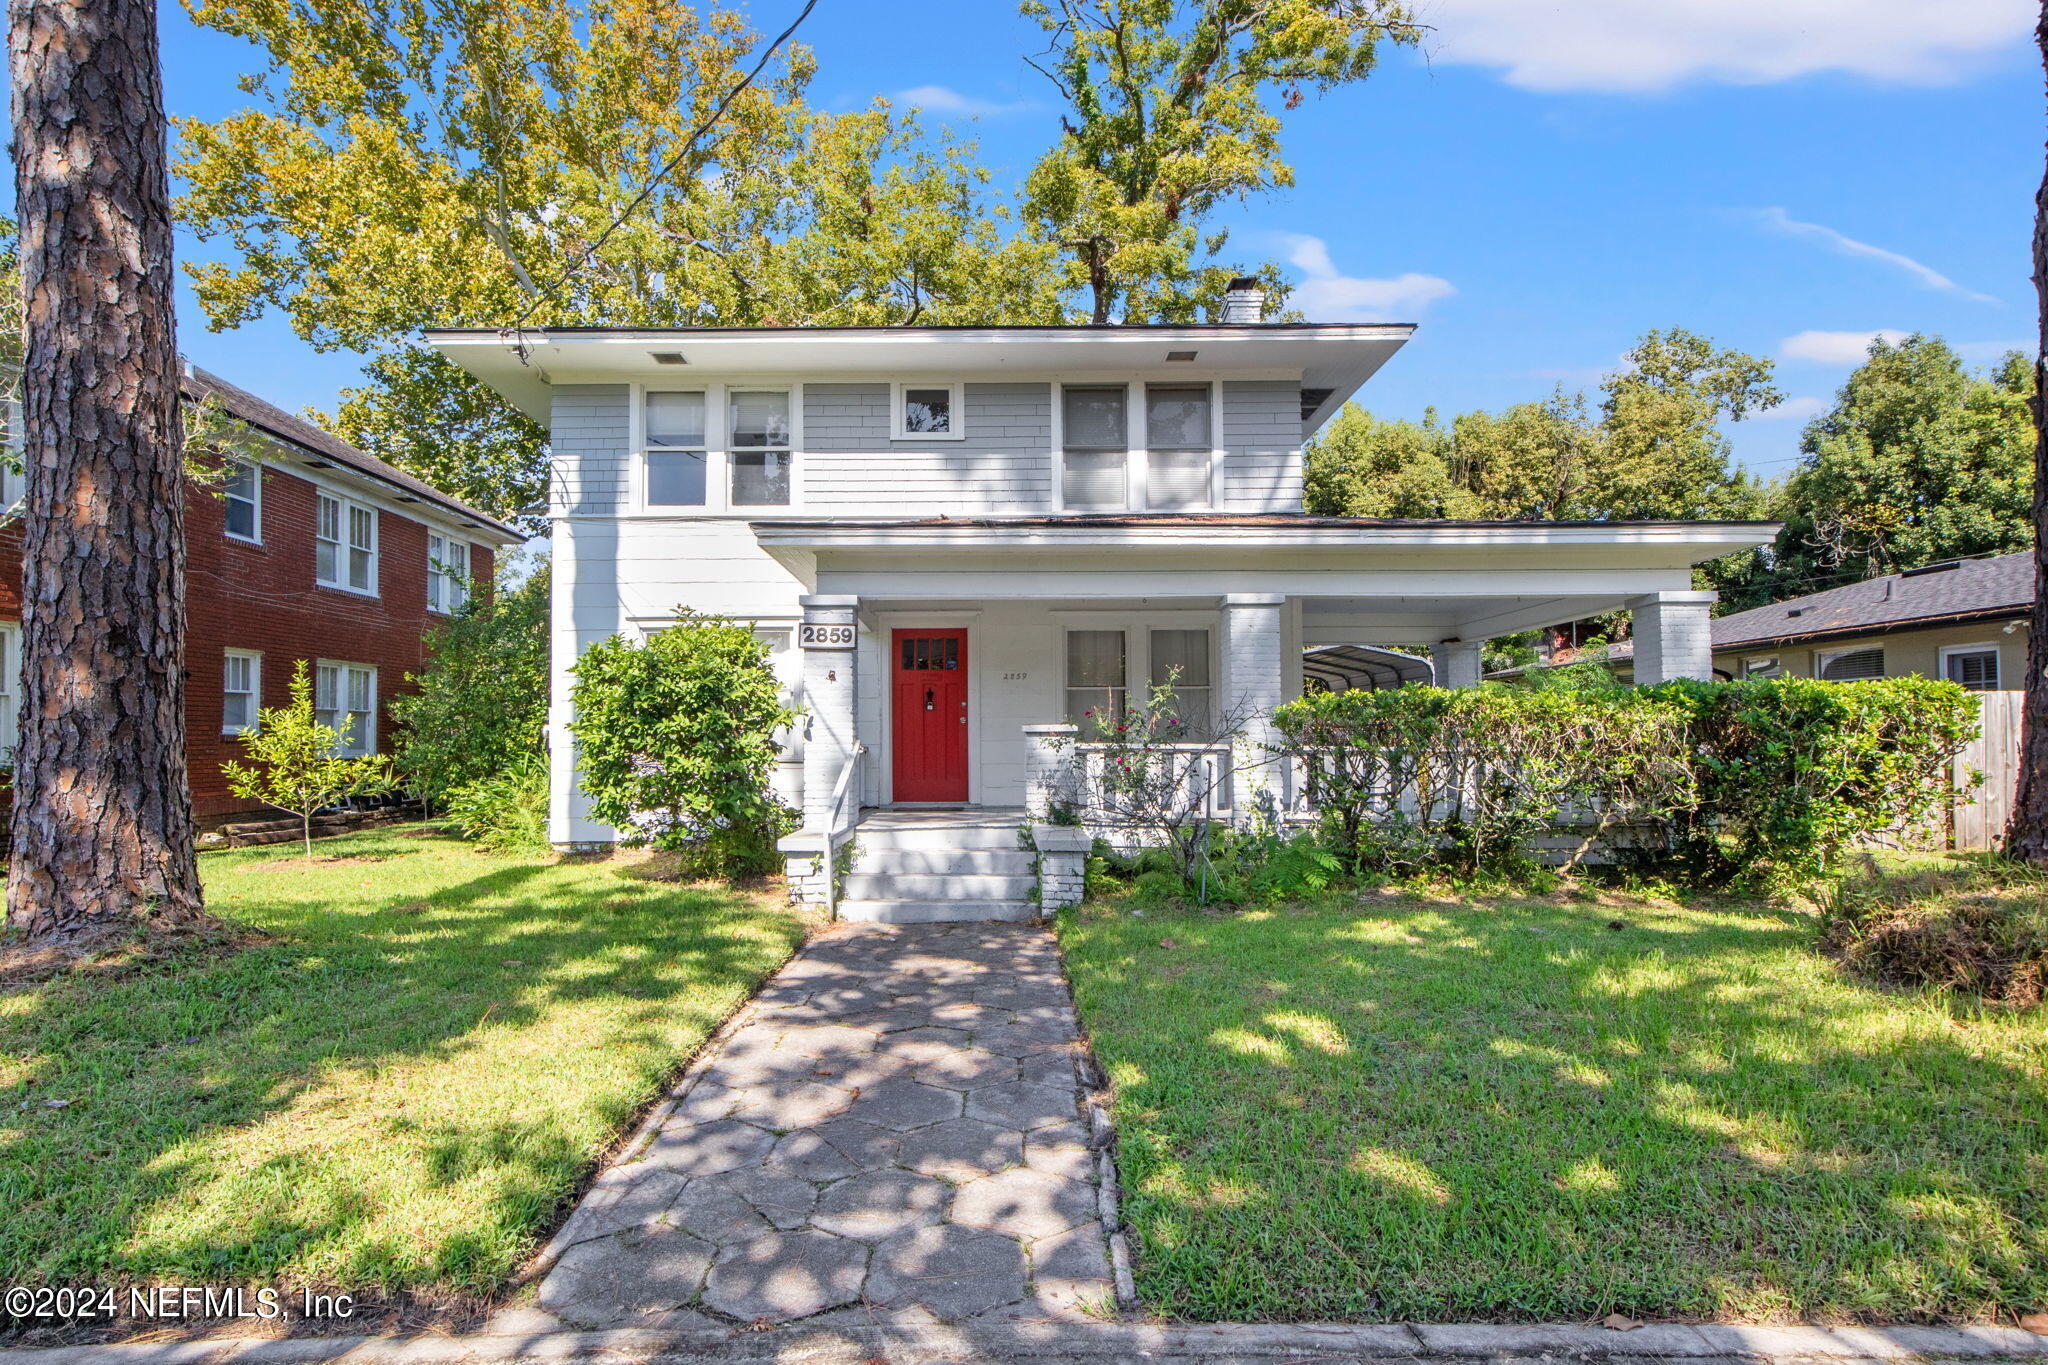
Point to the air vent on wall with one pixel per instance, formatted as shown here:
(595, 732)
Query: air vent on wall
(668, 357)
(1180, 355)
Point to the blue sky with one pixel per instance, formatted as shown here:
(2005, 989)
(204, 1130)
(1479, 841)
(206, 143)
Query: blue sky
(1541, 185)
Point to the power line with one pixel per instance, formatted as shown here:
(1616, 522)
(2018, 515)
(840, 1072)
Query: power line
(647, 191)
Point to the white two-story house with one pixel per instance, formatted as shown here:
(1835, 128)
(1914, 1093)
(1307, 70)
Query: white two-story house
(954, 537)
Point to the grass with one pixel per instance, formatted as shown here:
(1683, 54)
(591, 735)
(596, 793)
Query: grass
(1513, 1109)
(395, 1087)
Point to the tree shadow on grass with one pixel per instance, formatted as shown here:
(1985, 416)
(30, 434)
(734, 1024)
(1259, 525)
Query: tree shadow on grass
(1509, 1110)
(396, 1089)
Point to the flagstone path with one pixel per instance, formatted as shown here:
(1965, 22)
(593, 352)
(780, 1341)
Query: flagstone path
(893, 1130)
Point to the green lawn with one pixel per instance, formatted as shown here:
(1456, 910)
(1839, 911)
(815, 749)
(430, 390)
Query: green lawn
(397, 1090)
(1509, 1110)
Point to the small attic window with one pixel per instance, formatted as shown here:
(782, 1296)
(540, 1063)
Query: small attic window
(928, 412)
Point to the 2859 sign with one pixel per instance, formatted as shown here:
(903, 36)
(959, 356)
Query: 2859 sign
(810, 636)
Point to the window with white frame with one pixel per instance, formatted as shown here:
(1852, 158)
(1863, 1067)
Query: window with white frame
(1095, 445)
(1849, 665)
(1096, 679)
(10, 688)
(345, 701)
(241, 692)
(346, 545)
(1178, 425)
(241, 494)
(12, 482)
(1180, 660)
(447, 573)
(928, 412)
(759, 448)
(1974, 666)
(677, 455)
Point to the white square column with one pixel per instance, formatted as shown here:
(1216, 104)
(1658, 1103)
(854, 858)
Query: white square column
(1673, 635)
(1254, 685)
(1456, 663)
(827, 638)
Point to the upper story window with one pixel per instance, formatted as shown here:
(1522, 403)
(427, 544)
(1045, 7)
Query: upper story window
(241, 692)
(676, 455)
(1974, 666)
(345, 553)
(1095, 441)
(928, 412)
(761, 455)
(1178, 436)
(241, 494)
(13, 483)
(447, 573)
(10, 688)
(345, 697)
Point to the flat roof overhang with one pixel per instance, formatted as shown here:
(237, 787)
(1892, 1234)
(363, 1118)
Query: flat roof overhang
(1332, 360)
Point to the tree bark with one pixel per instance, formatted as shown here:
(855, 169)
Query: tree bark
(102, 826)
(2026, 836)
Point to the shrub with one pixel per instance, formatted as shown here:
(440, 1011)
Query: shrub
(1979, 926)
(1791, 771)
(676, 741)
(482, 705)
(506, 812)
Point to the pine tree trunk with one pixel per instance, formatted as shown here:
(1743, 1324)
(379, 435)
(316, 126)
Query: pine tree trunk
(2026, 837)
(102, 830)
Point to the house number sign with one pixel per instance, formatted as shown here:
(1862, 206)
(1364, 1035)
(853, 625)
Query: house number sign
(809, 636)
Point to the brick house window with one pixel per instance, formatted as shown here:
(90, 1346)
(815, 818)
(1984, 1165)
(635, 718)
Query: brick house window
(10, 688)
(346, 545)
(346, 694)
(242, 500)
(447, 573)
(241, 692)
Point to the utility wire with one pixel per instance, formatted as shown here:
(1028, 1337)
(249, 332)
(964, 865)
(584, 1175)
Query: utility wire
(654, 181)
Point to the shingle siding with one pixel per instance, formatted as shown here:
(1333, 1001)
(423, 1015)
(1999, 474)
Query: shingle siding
(1262, 446)
(589, 434)
(1003, 465)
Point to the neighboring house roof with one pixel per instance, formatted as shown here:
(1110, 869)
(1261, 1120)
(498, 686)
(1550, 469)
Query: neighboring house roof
(1950, 593)
(1367, 666)
(200, 385)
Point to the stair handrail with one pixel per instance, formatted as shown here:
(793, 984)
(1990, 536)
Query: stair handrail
(839, 791)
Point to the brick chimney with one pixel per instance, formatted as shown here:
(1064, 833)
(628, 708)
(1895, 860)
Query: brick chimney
(1244, 301)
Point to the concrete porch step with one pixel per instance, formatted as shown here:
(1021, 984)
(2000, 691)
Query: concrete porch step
(962, 862)
(994, 838)
(863, 884)
(937, 912)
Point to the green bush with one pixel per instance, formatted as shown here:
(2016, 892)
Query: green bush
(482, 704)
(676, 741)
(506, 812)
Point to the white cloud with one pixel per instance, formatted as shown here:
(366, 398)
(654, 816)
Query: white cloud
(1793, 410)
(1635, 46)
(1325, 295)
(943, 99)
(1836, 348)
(1779, 221)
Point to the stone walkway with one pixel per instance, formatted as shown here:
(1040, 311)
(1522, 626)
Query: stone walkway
(892, 1130)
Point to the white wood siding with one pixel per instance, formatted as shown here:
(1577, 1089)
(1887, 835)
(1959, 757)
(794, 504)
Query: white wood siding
(1003, 465)
(1262, 446)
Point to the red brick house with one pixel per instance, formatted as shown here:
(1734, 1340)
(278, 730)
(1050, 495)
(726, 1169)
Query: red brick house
(311, 550)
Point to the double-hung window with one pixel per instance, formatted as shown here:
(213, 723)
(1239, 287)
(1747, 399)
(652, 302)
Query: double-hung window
(760, 447)
(241, 494)
(676, 452)
(1177, 437)
(346, 545)
(447, 573)
(241, 692)
(1095, 679)
(1095, 443)
(10, 689)
(1180, 661)
(1973, 666)
(345, 701)
(13, 483)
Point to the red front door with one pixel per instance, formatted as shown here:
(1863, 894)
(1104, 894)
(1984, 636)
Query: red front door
(929, 701)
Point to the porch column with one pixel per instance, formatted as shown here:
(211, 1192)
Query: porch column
(1457, 662)
(1673, 636)
(1254, 685)
(827, 640)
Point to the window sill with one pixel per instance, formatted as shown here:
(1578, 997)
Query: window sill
(343, 587)
(929, 436)
(241, 540)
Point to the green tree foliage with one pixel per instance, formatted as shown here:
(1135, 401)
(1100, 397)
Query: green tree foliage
(405, 167)
(482, 700)
(677, 737)
(1919, 461)
(299, 768)
(1169, 116)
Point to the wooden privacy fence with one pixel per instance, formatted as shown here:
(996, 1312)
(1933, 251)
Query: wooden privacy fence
(1976, 818)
